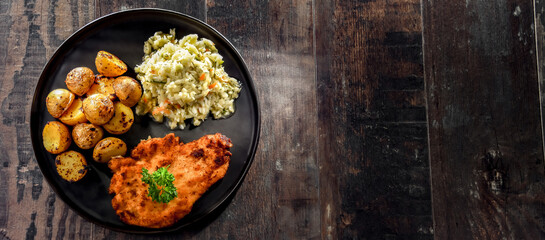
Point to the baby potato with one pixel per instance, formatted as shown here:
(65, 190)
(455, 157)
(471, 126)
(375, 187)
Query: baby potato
(98, 108)
(127, 90)
(108, 148)
(87, 135)
(71, 166)
(109, 65)
(56, 137)
(122, 120)
(74, 114)
(58, 101)
(79, 80)
(104, 85)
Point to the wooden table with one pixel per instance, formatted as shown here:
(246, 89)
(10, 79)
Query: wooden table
(386, 119)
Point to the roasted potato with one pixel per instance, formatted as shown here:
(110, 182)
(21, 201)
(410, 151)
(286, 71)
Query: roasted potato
(109, 65)
(74, 114)
(98, 108)
(87, 135)
(58, 101)
(104, 85)
(122, 120)
(127, 90)
(79, 80)
(56, 137)
(108, 148)
(71, 166)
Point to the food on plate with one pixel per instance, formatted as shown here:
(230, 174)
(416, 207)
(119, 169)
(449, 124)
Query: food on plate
(104, 85)
(196, 166)
(58, 101)
(127, 90)
(122, 120)
(184, 79)
(74, 114)
(56, 137)
(87, 135)
(108, 148)
(71, 166)
(98, 108)
(109, 65)
(79, 80)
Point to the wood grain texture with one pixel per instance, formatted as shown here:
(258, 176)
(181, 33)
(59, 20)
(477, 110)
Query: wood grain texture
(281, 192)
(194, 8)
(31, 31)
(486, 147)
(282, 200)
(372, 140)
(539, 15)
(343, 87)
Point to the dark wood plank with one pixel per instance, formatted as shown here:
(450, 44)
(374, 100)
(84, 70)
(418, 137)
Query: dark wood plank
(486, 147)
(374, 178)
(280, 195)
(194, 8)
(539, 13)
(31, 31)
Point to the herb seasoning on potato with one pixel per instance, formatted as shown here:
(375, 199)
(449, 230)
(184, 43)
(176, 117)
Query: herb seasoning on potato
(128, 90)
(79, 80)
(87, 135)
(58, 101)
(74, 114)
(109, 65)
(122, 120)
(98, 109)
(56, 137)
(108, 148)
(103, 85)
(71, 166)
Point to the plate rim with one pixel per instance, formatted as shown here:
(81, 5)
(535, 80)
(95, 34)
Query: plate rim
(252, 92)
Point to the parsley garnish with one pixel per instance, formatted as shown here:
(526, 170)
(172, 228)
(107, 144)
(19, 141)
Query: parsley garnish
(161, 186)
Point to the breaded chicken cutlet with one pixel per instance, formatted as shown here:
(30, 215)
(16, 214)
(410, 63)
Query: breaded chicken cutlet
(196, 166)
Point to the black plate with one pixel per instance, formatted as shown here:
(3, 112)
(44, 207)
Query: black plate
(123, 34)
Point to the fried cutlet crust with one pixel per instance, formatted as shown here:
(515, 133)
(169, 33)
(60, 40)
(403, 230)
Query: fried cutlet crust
(196, 166)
